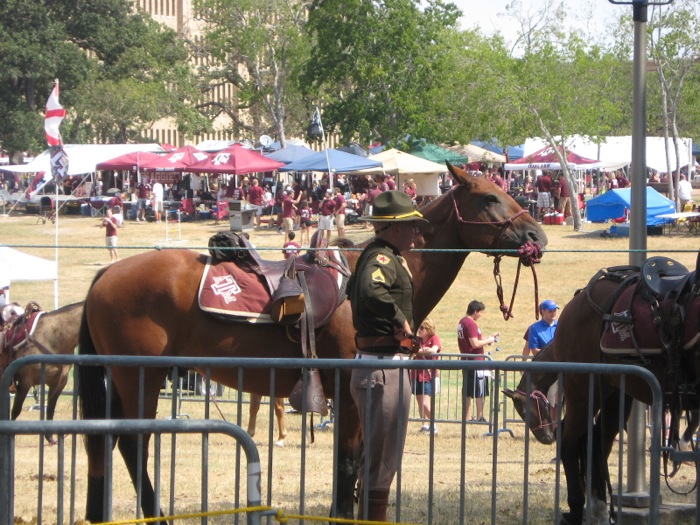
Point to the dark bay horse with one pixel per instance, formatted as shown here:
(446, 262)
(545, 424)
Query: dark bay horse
(55, 332)
(532, 398)
(578, 340)
(146, 305)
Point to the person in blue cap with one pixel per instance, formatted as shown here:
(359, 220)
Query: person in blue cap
(542, 332)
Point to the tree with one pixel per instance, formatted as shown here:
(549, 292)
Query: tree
(374, 62)
(119, 72)
(258, 47)
(675, 47)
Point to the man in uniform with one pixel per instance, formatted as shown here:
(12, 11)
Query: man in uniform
(381, 294)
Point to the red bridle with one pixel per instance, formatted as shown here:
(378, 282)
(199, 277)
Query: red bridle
(538, 396)
(529, 254)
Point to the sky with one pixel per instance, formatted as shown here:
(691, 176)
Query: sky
(491, 15)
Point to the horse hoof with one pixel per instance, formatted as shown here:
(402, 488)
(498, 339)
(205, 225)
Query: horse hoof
(279, 443)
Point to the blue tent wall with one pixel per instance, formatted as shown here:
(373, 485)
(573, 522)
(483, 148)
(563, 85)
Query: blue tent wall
(612, 205)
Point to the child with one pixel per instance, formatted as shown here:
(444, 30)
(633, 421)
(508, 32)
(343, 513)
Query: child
(422, 381)
(305, 222)
(291, 248)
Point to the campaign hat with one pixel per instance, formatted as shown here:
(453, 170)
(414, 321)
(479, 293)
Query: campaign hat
(393, 206)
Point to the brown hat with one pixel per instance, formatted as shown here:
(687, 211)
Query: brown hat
(393, 206)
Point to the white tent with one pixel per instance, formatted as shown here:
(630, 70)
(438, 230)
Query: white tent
(406, 166)
(615, 152)
(82, 158)
(20, 266)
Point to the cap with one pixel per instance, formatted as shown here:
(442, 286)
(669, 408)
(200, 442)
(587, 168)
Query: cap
(393, 206)
(548, 305)
(329, 191)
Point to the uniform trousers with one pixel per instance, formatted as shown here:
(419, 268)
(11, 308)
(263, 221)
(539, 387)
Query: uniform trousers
(384, 435)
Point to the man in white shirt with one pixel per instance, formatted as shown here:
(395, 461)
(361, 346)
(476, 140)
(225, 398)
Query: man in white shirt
(158, 200)
(685, 192)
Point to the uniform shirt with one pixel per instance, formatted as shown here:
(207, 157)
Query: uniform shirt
(380, 291)
(540, 333)
(255, 195)
(110, 227)
(327, 207)
(143, 190)
(339, 201)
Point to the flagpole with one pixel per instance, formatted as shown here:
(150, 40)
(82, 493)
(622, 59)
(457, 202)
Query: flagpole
(325, 149)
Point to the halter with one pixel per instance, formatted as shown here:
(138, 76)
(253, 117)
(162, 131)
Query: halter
(529, 254)
(538, 396)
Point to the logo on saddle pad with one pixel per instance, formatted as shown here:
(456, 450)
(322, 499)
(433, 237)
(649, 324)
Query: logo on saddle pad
(227, 287)
(622, 330)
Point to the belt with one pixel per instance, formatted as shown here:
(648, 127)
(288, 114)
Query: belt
(390, 357)
(376, 340)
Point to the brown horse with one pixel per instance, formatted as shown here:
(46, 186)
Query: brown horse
(531, 396)
(146, 305)
(55, 332)
(578, 340)
(278, 405)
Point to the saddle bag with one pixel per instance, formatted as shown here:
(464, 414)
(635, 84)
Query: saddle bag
(315, 397)
(288, 299)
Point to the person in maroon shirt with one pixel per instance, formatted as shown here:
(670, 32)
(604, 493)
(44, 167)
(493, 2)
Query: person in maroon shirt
(110, 224)
(564, 205)
(287, 214)
(544, 184)
(255, 197)
(325, 220)
(373, 193)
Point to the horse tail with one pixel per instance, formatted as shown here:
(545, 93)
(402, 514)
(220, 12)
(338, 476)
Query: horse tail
(92, 390)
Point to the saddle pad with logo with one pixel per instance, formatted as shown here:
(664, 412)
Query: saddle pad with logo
(617, 336)
(17, 334)
(243, 295)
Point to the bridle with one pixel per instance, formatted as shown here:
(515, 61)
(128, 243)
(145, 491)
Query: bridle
(538, 396)
(529, 254)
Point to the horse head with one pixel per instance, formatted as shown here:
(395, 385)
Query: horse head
(537, 404)
(489, 218)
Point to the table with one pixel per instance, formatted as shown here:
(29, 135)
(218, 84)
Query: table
(681, 218)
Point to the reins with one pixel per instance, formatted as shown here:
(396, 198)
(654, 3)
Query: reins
(537, 396)
(529, 254)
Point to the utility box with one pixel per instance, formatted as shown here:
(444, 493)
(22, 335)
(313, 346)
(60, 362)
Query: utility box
(241, 216)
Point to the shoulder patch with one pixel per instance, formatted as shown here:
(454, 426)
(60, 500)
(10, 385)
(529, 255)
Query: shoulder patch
(383, 259)
(378, 276)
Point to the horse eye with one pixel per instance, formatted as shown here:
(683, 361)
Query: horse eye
(492, 199)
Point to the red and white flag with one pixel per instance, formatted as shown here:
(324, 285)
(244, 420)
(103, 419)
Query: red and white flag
(54, 116)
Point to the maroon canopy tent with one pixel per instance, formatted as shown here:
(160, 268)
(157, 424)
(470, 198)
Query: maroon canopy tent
(236, 160)
(179, 160)
(133, 161)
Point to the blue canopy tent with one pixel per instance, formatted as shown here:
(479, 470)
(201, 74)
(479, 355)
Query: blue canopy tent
(339, 161)
(289, 154)
(612, 205)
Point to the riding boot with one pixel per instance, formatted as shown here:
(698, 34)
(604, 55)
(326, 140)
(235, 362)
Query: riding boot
(378, 501)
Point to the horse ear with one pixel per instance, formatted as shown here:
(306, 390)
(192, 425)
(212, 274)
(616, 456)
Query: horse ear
(458, 174)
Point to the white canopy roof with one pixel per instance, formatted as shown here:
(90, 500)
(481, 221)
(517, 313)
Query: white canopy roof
(82, 158)
(616, 152)
(20, 266)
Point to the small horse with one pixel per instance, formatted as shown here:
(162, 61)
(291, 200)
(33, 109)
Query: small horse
(146, 305)
(54, 332)
(578, 340)
(541, 424)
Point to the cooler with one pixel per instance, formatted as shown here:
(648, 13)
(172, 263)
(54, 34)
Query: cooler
(553, 218)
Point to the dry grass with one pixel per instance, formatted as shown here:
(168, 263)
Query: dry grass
(560, 274)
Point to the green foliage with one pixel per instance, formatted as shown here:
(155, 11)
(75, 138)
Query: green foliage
(374, 62)
(119, 71)
(259, 47)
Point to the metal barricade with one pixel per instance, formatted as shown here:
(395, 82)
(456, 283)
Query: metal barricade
(453, 470)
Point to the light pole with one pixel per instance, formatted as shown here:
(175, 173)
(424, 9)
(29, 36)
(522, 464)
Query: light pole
(636, 429)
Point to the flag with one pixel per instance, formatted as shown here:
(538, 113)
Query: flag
(315, 129)
(54, 116)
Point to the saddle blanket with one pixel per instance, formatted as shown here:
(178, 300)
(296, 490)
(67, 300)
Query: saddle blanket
(617, 336)
(227, 289)
(16, 336)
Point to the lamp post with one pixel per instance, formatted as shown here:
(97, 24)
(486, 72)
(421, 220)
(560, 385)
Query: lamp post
(636, 429)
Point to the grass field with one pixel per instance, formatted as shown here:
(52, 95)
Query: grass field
(571, 259)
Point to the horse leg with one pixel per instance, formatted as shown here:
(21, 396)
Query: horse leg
(690, 430)
(570, 443)
(253, 413)
(20, 396)
(349, 447)
(54, 394)
(281, 427)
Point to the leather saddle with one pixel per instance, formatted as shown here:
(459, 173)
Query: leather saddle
(648, 312)
(312, 281)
